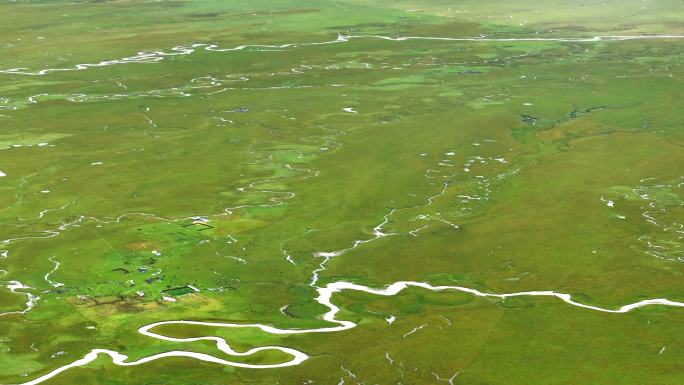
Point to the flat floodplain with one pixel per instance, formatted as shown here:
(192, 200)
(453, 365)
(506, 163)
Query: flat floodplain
(215, 192)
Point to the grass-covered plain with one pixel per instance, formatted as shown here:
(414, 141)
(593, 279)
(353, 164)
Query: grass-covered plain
(226, 185)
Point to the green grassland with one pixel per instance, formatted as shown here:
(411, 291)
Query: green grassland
(216, 178)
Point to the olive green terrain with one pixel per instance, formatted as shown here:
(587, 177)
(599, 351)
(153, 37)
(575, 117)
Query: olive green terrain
(204, 184)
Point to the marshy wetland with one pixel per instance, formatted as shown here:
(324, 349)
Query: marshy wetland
(341, 192)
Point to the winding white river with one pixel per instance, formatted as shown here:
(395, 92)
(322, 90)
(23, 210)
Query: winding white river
(156, 56)
(324, 298)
